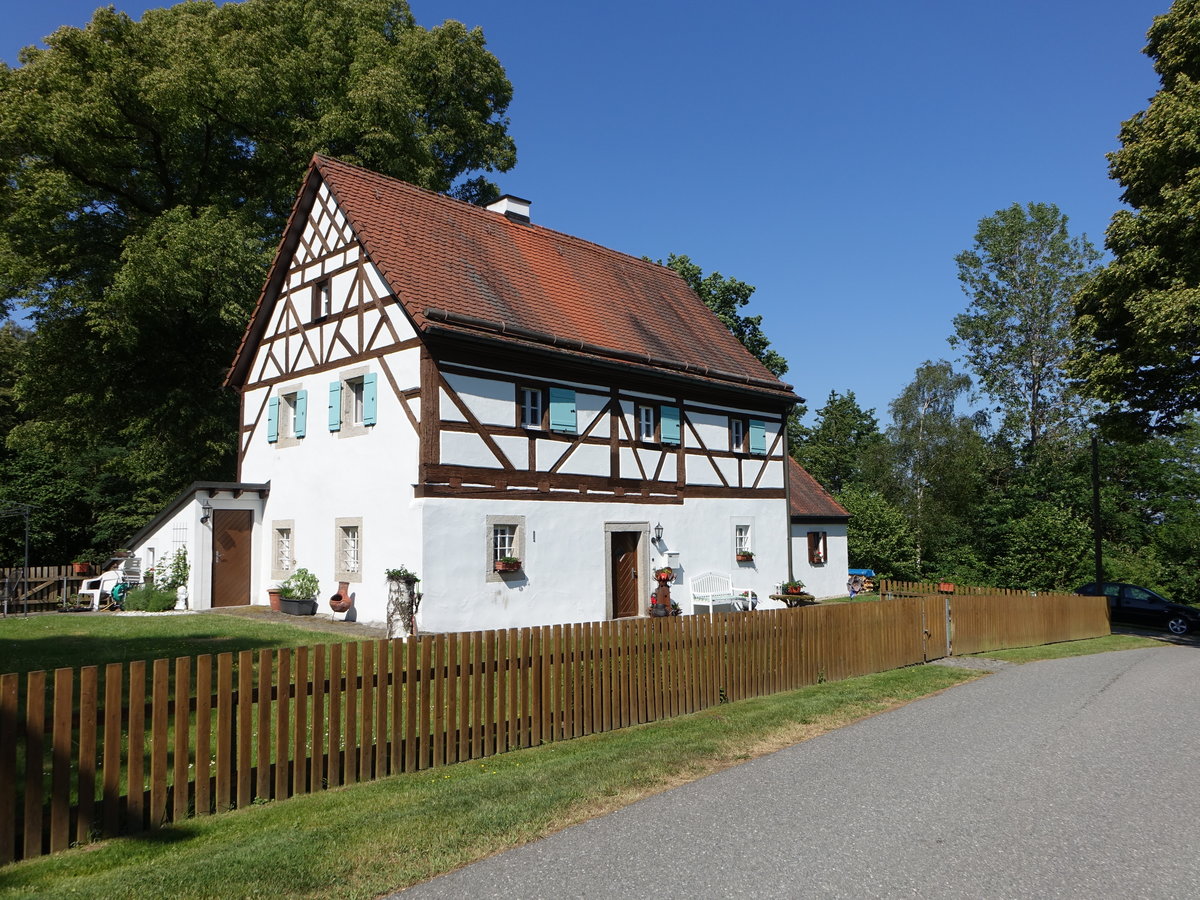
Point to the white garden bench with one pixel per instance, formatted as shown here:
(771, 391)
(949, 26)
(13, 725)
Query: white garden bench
(715, 592)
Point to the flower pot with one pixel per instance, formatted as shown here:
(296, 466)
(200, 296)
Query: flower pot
(745, 557)
(502, 566)
(659, 611)
(341, 601)
(946, 587)
(81, 568)
(298, 607)
(275, 598)
(793, 590)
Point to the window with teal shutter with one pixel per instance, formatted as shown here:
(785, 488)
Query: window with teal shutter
(335, 406)
(669, 424)
(370, 398)
(273, 420)
(758, 436)
(562, 410)
(301, 413)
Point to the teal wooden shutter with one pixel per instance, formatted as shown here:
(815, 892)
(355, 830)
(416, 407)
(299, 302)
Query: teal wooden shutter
(370, 398)
(273, 419)
(562, 410)
(758, 436)
(668, 421)
(335, 406)
(301, 413)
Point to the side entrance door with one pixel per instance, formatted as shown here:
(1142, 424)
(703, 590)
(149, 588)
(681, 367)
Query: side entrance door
(231, 556)
(625, 574)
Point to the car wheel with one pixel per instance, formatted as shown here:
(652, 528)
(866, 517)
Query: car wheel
(1177, 625)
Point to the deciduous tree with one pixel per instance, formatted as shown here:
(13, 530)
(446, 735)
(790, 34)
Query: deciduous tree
(1021, 274)
(1138, 321)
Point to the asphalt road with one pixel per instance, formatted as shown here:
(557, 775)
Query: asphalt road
(1067, 778)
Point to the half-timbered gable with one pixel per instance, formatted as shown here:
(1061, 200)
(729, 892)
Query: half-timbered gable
(430, 384)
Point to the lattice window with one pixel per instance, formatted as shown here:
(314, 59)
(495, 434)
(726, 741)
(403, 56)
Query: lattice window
(503, 541)
(741, 539)
(351, 549)
(284, 552)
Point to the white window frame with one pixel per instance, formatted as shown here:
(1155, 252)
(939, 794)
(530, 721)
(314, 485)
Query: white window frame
(532, 408)
(515, 546)
(347, 567)
(283, 559)
(737, 434)
(743, 538)
(352, 399)
(322, 298)
(646, 417)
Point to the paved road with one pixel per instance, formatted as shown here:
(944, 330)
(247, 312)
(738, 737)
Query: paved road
(1068, 778)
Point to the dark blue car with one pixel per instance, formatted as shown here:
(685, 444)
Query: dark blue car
(1142, 606)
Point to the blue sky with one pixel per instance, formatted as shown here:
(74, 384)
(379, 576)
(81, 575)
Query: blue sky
(836, 156)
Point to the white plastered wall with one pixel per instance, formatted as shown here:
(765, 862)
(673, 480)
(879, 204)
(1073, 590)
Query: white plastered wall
(828, 579)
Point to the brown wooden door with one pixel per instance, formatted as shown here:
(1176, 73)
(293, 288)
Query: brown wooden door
(231, 556)
(625, 574)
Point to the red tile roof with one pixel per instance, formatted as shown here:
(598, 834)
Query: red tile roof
(459, 268)
(807, 498)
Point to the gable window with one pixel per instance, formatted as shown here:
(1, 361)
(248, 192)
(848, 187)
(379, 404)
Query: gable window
(347, 549)
(646, 429)
(818, 548)
(322, 299)
(737, 435)
(531, 408)
(353, 403)
(287, 417)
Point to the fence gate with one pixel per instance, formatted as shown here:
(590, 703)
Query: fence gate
(935, 616)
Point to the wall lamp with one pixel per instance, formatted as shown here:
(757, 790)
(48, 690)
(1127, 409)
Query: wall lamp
(658, 531)
(206, 512)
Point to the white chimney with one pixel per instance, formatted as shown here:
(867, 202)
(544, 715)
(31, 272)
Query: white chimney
(512, 207)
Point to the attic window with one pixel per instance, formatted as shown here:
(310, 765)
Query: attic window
(322, 299)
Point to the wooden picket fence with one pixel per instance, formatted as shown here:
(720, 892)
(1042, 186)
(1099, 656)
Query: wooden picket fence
(894, 588)
(91, 752)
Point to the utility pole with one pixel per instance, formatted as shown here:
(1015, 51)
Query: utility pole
(1096, 509)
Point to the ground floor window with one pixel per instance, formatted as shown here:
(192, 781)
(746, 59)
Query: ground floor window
(348, 549)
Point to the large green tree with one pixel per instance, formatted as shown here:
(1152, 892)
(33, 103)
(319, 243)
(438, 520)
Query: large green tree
(147, 171)
(843, 448)
(1020, 275)
(1138, 322)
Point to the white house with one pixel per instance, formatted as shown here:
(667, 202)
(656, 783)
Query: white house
(431, 384)
(818, 534)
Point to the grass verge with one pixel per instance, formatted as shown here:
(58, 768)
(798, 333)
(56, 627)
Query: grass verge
(1073, 648)
(51, 641)
(368, 839)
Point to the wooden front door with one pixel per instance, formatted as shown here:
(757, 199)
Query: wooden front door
(625, 574)
(231, 556)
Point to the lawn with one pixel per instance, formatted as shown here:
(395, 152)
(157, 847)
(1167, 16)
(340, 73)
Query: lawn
(1073, 648)
(55, 640)
(368, 839)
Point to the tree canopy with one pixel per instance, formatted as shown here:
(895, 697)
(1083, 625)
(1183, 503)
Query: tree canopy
(148, 168)
(1021, 274)
(1138, 322)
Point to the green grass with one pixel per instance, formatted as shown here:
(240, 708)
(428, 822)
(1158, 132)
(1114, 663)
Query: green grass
(860, 598)
(371, 838)
(1073, 648)
(56, 640)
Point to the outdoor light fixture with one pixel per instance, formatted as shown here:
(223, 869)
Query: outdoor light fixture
(658, 533)
(206, 509)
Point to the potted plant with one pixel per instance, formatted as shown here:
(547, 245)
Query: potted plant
(298, 594)
(403, 601)
(81, 567)
(275, 597)
(663, 575)
(745, 556)
(792, 587)
(508, 564)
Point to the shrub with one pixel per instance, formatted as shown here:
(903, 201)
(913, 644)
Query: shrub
(148, 598)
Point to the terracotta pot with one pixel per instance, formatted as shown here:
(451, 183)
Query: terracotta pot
(663, 577)
(507, 566)
(793, 590)
(275, 598)
(946, 587)
(745, 557)
(81, 568)
(341, 601)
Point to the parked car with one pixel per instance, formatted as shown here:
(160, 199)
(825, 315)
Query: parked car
(1142, 606)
